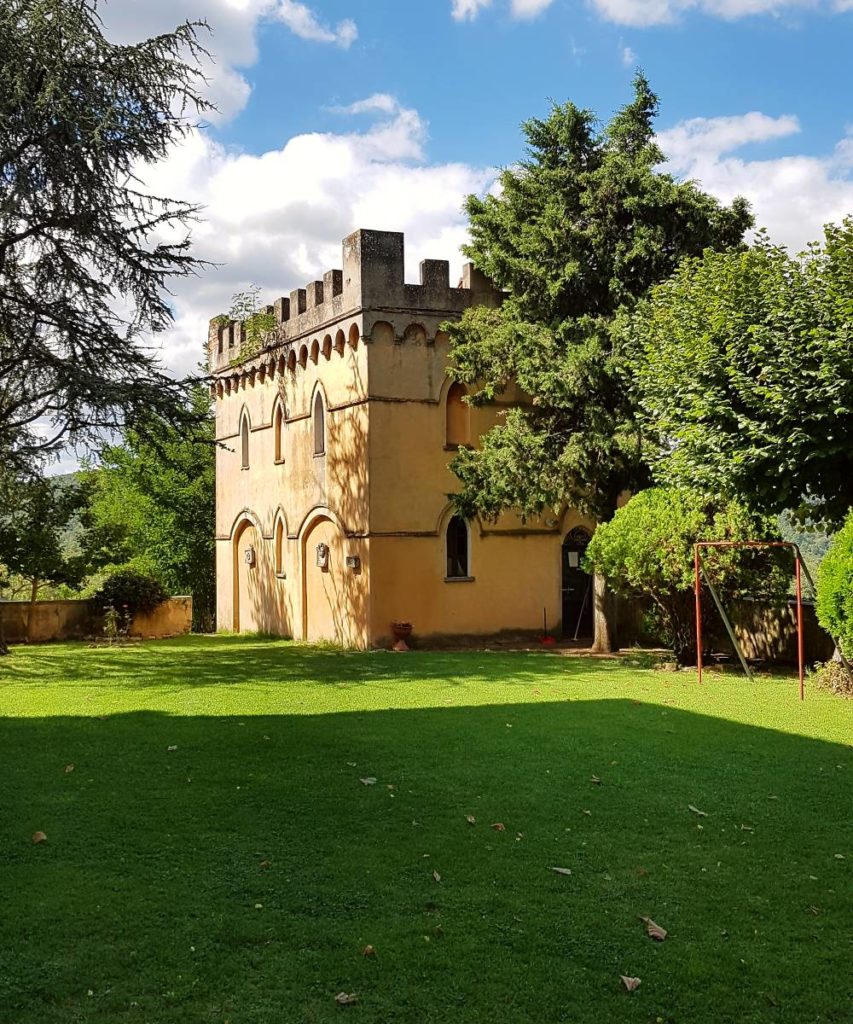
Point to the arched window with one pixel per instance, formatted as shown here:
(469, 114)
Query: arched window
(458, 417)
(279, 548)
(458, 554)
(244, 442)
(319, 425)
(278, 430)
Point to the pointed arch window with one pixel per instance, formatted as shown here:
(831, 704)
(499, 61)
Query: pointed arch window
(278, 431)
(319, 421)
(244, 442)
(279, 547)
(457, 417)
(458, 549)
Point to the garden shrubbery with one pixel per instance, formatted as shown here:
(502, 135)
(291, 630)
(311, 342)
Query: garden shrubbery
(132, 590)
(647, 550)
(833, 676)
(835, 588)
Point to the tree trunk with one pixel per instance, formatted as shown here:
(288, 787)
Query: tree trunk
(31, 615)
(4, 647)
(604, 640)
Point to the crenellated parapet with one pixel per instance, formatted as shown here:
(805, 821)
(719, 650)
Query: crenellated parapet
(372, 282)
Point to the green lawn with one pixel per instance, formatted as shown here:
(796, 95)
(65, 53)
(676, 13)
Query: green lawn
(238, 876)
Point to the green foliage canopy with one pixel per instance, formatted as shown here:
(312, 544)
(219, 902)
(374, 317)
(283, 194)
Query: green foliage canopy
(580, 229)
(132, 590)
(835, 588)
(153, 505)
(34, 523)
(646, 549)
(744, 372)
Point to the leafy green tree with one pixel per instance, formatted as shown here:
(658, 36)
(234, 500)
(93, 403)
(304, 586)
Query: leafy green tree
(835, 588)
(646, 550)
(32, 538)
(153, 506)
(579, 230)
(86, 251)
(744, 370)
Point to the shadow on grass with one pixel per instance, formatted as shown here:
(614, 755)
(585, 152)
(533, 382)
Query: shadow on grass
(238, 876)
(194, 662)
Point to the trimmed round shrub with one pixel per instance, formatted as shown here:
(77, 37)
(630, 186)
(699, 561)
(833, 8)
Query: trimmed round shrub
(136, 591)
(835, 588)
(646, 550)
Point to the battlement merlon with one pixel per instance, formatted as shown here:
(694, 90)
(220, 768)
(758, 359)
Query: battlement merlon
(373, 277)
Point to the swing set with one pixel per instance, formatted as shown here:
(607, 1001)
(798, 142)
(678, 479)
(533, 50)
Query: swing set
(799, 568)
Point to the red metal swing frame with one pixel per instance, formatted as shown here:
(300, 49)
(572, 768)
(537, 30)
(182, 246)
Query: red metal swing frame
(799, 568)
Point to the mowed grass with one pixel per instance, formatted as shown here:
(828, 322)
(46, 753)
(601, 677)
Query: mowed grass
(239, 876)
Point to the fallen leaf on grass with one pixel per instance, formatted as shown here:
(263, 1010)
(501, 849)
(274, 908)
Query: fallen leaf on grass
(470, 819)
(368, 951)
(172, 748)
(562, 871)
(369, 781)
(587, 813)
(39, 837)
(629, 983)
(702, 814)
(436, 876)
(595, 780)
(68, 769)
(498, 826)
(654, 931)
(839, 856)
(346, 998)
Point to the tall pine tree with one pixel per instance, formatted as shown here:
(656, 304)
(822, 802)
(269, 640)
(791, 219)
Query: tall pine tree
(578, 231)
(87, 252)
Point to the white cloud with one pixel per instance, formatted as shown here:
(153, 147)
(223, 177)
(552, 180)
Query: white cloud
(302, 21)
(277, 219)
(379, 102)
(792, 196)
(710, 136)
(629, 58)
(658, 12)
(467, 10)
(529, 8)
(232, 39)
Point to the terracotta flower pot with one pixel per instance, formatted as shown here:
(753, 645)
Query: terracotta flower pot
(402, 631)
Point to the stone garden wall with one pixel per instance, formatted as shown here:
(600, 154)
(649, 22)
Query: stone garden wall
(75, 620)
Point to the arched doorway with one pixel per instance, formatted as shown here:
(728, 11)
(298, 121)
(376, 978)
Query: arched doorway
(324, 586)
(246, 551)
(577, 586)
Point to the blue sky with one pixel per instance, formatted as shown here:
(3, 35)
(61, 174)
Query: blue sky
(338, 114)
(475, 81)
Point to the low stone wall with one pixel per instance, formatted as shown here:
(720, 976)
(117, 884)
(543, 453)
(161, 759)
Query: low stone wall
(74, 620)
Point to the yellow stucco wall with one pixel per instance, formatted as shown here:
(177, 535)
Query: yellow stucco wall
(373, 348)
